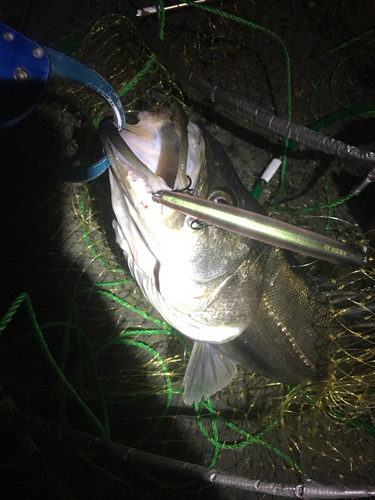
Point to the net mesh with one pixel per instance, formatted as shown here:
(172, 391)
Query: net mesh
(82, 347)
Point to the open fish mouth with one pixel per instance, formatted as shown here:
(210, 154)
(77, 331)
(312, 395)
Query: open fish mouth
(164, 148)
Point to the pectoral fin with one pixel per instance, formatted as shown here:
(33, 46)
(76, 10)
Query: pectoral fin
(208, 371)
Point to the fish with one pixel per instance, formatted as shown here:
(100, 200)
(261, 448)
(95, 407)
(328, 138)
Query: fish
(240, 300)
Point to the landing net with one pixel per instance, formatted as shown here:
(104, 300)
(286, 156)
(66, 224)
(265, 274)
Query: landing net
(81, 347)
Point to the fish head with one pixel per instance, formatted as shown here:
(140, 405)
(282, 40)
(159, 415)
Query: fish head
(182, 271)
(146, 161)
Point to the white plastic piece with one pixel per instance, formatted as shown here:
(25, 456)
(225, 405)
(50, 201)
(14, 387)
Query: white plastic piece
(208, 371)
(271, 170)
(152, 10)
(146, 10)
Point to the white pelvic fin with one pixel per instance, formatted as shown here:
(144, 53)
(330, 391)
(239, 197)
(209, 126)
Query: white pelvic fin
(208, 371)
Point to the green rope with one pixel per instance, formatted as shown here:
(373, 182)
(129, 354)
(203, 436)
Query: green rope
(103, 432)
(159, 4)
(114, 283)
(24, 298)
(126, 88)
(234, 427)
(215, 435)
(350, 42)
(250, 25)
(288, 74)
(72, 323)
(259, 28)
(138, 77)
(249, 439)
(128, 333)
(11, 311)
(334, 66)
(148, 65)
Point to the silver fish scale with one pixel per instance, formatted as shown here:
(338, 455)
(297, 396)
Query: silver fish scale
(290, 321)
(225, 254)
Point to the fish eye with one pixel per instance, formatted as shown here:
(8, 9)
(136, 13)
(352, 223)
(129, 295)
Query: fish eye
(221, 197)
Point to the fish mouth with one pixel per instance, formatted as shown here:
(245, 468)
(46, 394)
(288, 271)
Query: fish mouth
(164, 148)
